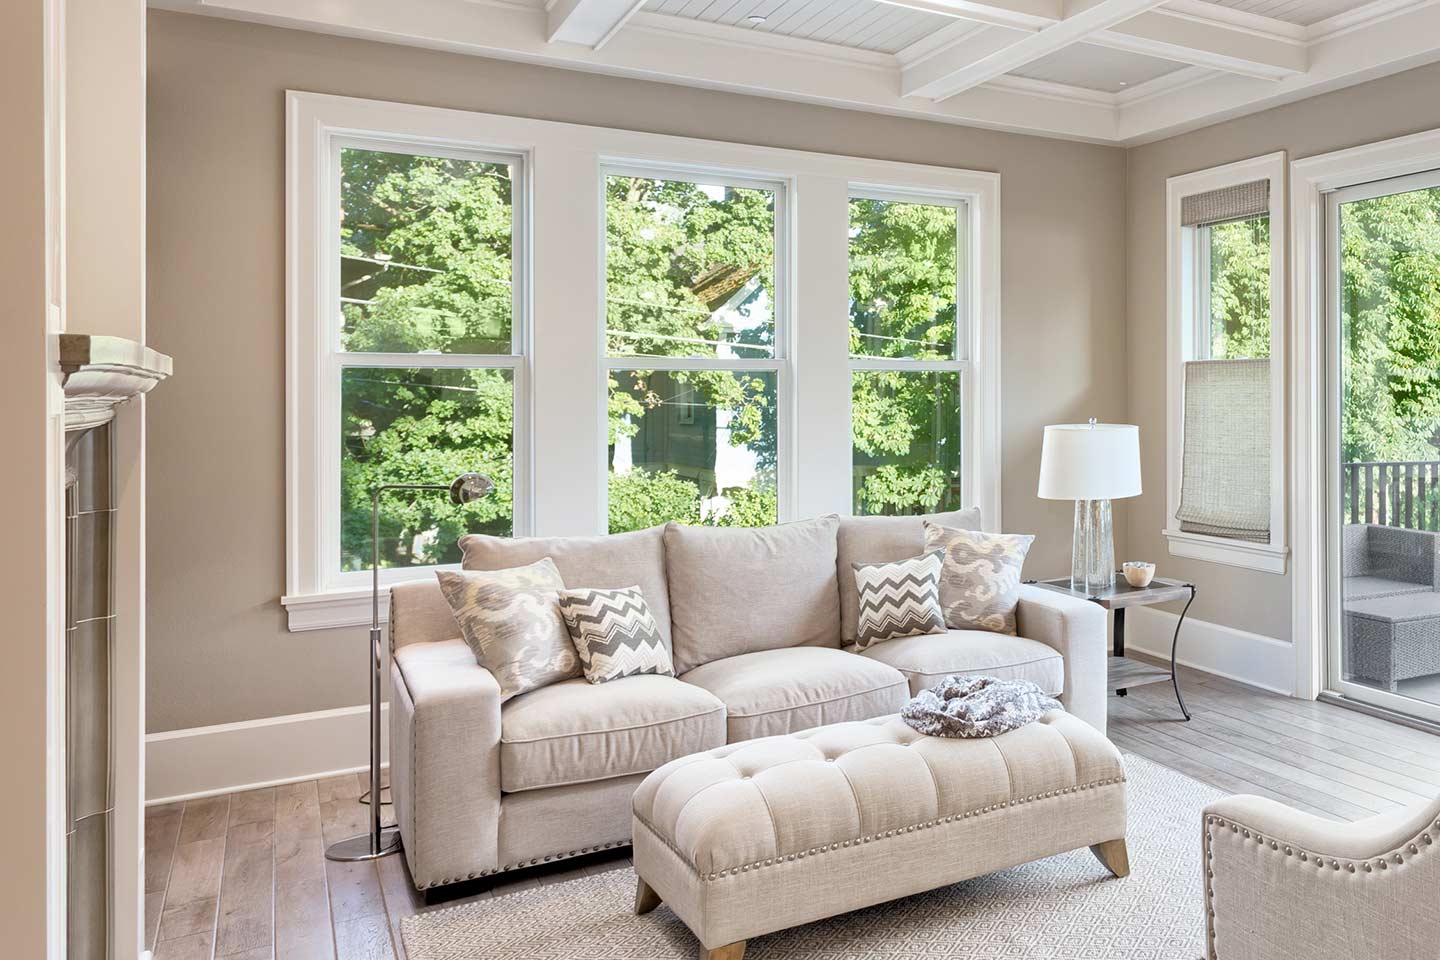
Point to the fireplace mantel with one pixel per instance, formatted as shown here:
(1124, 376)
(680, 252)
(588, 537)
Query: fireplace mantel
(101, 372)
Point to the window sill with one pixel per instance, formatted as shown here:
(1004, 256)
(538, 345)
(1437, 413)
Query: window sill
(335, 608)
(1265, 557)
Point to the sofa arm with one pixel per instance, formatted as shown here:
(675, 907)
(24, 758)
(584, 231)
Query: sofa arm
(1280, 883)
(1076, 629)
(445, 761)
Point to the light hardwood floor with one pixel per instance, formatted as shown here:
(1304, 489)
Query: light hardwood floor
(244, 876)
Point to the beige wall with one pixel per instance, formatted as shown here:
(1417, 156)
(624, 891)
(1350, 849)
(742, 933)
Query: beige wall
(218, 647)
(1405, 103)
(25, 567)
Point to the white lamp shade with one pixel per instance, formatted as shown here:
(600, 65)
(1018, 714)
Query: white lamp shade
(1090, 461)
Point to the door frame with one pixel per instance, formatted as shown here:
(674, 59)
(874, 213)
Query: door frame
(1315, 600)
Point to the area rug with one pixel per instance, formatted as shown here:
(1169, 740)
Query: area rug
(1064, 907)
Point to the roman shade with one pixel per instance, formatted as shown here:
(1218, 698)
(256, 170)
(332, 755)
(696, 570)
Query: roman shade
(1240, 201)
(1225, 468)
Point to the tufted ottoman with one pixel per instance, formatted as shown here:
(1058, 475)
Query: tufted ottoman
(766, 834)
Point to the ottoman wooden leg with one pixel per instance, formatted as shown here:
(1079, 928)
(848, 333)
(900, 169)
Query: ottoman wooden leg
(646, 899)
(1114, 856)
(731, 951)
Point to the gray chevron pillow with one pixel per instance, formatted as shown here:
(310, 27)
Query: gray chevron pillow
(615, 633)
(900, 599)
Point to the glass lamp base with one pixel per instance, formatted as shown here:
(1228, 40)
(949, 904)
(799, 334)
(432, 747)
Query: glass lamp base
(1092, 554)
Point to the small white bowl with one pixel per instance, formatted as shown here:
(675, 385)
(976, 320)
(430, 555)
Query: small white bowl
(1139, 573)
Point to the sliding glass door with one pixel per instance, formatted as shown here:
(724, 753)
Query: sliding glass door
(1384, 387)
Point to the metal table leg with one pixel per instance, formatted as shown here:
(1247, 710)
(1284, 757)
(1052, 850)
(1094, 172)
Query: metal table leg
(1120, 643)
(1174, 644)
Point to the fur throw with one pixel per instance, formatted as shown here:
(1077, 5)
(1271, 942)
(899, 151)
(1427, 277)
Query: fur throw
(976, 707)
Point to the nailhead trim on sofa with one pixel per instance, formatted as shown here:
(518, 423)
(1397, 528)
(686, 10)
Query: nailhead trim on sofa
(519, 864)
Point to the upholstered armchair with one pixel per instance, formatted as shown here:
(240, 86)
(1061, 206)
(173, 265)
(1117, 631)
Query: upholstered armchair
(1285, 885)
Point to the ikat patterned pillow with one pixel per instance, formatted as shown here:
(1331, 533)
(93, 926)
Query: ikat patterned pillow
(511, 620)
(980, 576)
(900, 599)
(614, 633)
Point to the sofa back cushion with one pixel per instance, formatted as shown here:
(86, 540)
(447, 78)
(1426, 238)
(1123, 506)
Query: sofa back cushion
(619, 560)
(737, 590)
(883, 540)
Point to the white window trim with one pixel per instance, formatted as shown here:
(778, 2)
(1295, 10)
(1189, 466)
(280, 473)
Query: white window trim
(1184, 325)
(781, 363)
(567, 466)
(966, 346)
(1315, 599)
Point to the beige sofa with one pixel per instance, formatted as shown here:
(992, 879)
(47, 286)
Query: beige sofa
(761, 624)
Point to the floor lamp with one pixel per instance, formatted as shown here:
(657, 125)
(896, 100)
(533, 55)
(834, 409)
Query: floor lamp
(377, 842)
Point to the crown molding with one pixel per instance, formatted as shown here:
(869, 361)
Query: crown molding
(1232, 51)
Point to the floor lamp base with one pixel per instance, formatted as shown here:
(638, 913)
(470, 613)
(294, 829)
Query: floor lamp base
(352, 849)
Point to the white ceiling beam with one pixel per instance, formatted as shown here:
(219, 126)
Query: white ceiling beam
(1209, 43)
(1020, 14)
(996, 51)
(1342, 52)
(591, 22)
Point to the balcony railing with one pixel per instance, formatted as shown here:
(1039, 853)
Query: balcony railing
(1394, 493)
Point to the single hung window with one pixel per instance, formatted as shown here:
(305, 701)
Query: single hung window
(906, 353)
(1225, 438)
(694, 323)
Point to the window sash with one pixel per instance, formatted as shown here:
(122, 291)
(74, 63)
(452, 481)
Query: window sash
(963, 264)
(519, 222)
(781, 267)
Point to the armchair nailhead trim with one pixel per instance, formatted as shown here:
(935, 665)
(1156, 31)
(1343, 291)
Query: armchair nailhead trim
(1219, 823)
(883, 835)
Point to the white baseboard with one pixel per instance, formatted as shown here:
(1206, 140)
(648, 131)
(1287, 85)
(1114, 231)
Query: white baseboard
(1238, 655)
(206, 761)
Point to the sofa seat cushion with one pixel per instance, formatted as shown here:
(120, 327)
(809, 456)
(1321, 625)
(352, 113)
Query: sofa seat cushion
(928, 659)
(1373, 588)
(576, 732)
(771, 692)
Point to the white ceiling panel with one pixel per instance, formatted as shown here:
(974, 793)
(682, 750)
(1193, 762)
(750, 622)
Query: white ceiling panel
(1300, 12)
(864, 24)
(1097, 68)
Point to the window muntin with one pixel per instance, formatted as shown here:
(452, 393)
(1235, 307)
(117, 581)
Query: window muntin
(906, 346)
(689, 267)
(694, 315)
(425, 353)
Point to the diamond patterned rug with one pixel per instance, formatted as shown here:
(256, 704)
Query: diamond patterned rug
(1064, 907)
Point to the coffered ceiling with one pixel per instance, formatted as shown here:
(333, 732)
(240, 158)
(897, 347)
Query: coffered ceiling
(1112, 71)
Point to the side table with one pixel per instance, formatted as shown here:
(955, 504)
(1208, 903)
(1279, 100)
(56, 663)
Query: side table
(1124, 673)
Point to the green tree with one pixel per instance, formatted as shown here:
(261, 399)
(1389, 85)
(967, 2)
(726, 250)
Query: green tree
(1390, 322)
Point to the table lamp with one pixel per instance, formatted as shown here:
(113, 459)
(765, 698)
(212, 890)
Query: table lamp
(1092, 464)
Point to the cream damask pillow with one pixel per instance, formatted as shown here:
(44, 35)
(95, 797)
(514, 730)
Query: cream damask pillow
(979, 576)
(511, 620)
